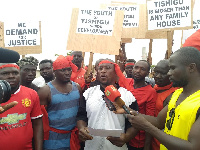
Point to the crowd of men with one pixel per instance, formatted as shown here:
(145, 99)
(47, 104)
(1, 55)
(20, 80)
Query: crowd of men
(56, 110)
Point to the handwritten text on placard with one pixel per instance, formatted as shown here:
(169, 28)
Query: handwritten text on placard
(196, 24)
(168, 14)
(21, 34)
(98, 22)
(131, 15)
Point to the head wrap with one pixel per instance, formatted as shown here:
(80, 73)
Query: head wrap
(117, 68)
(9, 65)
(64, 62)
(193, 40)
(27, 61)
(129, 64)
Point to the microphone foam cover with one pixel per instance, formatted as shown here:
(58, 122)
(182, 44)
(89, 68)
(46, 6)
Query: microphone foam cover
(112, 93)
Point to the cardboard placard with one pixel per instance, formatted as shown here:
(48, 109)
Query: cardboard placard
(165, 14)
(90, 31)
(126, 40)
(141, 31)
(156, 35)
(196, 24)
(139, 27)
(23, 37)
(131, 15)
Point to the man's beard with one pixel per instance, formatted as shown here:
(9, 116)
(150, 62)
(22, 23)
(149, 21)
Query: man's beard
(48, 77)
(129, 75)
(15, 88)
(138, 79)
(180, 83)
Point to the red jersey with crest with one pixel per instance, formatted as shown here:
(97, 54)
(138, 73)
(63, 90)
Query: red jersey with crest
(16, 130)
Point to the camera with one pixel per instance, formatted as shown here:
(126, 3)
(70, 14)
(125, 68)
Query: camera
(5, 91)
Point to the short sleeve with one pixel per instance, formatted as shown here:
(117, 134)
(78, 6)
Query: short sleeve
(36, 110)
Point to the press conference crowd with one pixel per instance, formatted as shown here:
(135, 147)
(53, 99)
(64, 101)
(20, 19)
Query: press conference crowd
(155, 108)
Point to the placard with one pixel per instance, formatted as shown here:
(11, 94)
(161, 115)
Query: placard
(196, 24)
(126, 40)
(21, 34)
(169, 14)
(104, 42)
(141, 31)
(97, 22)
(131, 15)
(23, 37)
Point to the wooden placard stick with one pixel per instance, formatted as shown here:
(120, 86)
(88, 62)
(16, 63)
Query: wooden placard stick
(150, 51)
(169, 42)
(83, 55)
(116, 58)
(182, 39)
(90, 64)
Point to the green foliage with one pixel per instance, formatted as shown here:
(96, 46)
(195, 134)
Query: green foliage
(68, 53)
(152, 67)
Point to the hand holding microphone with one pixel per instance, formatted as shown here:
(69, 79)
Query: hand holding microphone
(114, 95)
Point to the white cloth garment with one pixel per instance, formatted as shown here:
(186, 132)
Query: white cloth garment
(39, 81)
(100, 117)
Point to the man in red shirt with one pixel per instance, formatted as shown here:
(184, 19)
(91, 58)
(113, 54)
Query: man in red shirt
(129, 67)
(164, 91)
(78, 76)
(24, 121)
(146, 98)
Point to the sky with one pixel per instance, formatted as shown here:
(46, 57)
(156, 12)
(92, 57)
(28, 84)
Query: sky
(55, 16)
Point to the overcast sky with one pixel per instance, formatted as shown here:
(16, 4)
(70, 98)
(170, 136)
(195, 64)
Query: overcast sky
(55, 16)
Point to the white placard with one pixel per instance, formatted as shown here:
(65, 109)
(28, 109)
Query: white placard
(196, 24)
(131, 15)
(105, 133)
(164, 14)
(98, 22)
(21, 34)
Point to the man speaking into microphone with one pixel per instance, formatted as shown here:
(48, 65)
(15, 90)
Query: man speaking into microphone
(96, 111)
(8, 56)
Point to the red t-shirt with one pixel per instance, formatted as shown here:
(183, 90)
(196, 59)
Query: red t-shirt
(146, 99)
(78, 77)
(16, 130)
(162, 96)
(159, 106)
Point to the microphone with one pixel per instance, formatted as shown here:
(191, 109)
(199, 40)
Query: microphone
(114, 95)
(8, 56)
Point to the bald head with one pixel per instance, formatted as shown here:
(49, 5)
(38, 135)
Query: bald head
(188, 55)
(160, 73)
(164, 63)
(77, 58)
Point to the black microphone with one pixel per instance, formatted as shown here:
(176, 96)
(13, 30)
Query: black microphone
(8, 56)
